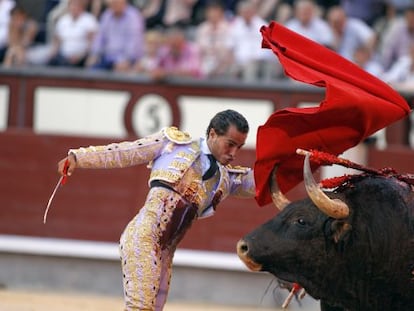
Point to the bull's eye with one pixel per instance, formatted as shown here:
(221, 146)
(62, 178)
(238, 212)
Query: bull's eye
(301, 221)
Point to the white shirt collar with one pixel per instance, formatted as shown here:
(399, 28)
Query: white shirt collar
(204, 147)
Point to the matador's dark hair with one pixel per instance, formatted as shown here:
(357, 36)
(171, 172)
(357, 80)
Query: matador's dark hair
(222, 121)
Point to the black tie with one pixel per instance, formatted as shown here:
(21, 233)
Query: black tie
(212, 169)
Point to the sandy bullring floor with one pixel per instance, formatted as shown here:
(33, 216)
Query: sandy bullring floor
(42, 301)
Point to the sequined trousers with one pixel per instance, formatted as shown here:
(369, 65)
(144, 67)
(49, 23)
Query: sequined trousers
(147, 247)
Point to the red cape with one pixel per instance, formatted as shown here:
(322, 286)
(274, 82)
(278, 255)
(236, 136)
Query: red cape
(356, 105)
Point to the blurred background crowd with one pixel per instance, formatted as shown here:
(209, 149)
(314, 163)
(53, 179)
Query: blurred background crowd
(203, 39)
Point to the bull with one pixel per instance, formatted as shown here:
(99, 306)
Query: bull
(352, 248)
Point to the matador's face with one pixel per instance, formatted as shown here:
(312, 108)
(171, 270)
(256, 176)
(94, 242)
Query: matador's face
(225, 147)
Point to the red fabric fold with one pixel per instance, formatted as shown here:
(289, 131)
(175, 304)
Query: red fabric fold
(356, 105)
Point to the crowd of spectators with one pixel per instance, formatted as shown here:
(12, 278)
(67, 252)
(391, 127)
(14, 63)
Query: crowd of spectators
(207, 39)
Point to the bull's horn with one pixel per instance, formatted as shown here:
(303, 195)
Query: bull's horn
(278, 198)
(334, 208)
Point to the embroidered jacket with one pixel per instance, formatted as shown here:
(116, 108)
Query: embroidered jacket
(176, 159)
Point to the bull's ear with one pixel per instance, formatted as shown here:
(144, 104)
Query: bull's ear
(340, 231)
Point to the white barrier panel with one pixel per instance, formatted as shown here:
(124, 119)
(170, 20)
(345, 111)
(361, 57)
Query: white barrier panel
(77, 111)
(4, 106)
(100, 113)
(109, 251)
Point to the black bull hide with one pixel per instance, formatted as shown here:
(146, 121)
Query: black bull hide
(363, 262)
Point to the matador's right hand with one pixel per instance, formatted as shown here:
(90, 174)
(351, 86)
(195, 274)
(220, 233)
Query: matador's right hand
(70, 167)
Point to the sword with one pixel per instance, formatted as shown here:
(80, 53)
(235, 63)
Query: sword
(61, 181)
(296, 287)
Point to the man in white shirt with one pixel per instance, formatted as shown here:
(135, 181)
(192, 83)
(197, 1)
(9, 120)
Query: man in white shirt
(250, 60)
(398, 38)
(211, 39)
(306, 21)
(73, 35)
(350, 32)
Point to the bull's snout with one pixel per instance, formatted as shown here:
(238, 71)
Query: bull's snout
(243, 252)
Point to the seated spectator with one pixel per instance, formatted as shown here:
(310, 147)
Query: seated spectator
(95, 7)
(366, 10)
(401, 72)
(22, 32)
(5, 7)
(284, 12)
(349, 32)
(73, 36)
(308, 23)
(149, 61)
(52, 16)
(397, 40)
(363, 57)
(266, 9)
(153, 12)
(277, 10)
(179, 57)
(384, 22)
(251, 62)
(211, 38)
(119, 41)
(178, 12)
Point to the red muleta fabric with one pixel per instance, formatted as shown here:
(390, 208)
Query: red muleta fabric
(356, 105)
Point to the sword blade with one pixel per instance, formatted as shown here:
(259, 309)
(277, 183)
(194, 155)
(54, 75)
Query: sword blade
(51, 198)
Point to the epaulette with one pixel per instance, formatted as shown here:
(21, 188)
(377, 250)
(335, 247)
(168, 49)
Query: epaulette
(238, 169)
(175, 135)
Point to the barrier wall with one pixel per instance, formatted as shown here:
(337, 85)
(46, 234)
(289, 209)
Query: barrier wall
(44, 112)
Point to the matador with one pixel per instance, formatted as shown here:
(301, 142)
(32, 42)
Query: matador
(188, 179)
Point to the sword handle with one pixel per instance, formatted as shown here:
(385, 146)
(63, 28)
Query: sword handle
(65, 172)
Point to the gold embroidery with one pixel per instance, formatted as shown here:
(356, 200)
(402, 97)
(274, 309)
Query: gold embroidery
(195, 147)
(177, 136)
(189, 185)
(121, 154)
(177, 165)
(141, 260)
(237, 169)
(165, 175)
(185, 156)
(191, 193)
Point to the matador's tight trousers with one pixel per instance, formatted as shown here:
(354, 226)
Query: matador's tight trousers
(147, 247)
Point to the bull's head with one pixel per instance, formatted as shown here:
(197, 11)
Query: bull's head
(341, 246)
(302, 217)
